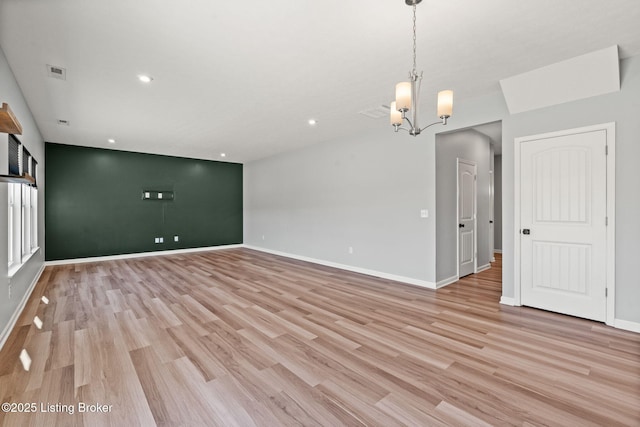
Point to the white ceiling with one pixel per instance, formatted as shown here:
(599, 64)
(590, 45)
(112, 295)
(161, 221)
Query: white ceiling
(243, 77)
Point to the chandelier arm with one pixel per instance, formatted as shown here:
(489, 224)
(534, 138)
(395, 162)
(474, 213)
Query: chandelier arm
(410, 124)
(441, 122)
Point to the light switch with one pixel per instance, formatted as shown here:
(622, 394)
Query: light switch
(159, 195)
(424, 213)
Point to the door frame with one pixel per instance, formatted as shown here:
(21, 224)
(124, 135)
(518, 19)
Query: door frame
(492, 214)
(610, 130)
(475, 215)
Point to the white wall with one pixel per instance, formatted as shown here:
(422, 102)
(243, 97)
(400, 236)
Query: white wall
(31, 138)
(366, 191)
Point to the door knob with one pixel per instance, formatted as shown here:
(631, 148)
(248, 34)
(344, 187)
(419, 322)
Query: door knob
(460, 225)
(526, 231)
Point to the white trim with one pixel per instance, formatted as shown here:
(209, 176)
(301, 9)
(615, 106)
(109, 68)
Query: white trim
(492, 220)
(483, 268)
(444, 282)
(15, 267)
(16, 314)
(497, 251)
(626, 325)
(610, 129)
(403, 279)
(508, 301)
(516, 223)
(140, 255)
(611, 226)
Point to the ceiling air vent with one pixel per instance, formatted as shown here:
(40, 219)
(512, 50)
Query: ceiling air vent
(63, 122)
(56, 72)
(376, 112)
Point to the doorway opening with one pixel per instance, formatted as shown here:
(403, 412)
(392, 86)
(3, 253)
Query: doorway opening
(481, 145)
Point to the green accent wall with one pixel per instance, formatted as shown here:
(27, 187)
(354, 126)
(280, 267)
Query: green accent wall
(94, 202)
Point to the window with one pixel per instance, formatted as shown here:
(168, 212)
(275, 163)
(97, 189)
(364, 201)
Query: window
(34, 218)
(22, 203)
(12, 230)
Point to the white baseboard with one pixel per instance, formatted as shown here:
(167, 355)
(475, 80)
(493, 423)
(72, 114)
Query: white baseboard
(483, 268)
(141, 254)
(382, 275)
(497, 251)
(626, 325)
(16, 314)
(444, 282)
(508, 301)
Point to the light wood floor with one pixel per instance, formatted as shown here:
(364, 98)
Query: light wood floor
(238, 337)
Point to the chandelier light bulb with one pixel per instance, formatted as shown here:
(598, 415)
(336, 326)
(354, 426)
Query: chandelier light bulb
(403, 96)
(445, 103)
(396, 116)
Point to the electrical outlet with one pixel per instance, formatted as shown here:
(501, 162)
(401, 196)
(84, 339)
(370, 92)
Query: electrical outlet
(157, 240)
(424, 213)
(176, 238)
(161, 239)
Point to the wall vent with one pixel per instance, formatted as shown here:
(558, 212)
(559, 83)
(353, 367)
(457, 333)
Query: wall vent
(56, 72)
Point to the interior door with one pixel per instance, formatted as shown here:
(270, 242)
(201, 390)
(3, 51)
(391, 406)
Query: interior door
(466, 217)
(563, 219)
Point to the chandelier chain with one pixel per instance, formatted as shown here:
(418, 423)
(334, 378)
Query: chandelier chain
(414, 38)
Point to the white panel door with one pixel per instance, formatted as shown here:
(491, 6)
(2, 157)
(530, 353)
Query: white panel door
(563, 219)
(466, 217)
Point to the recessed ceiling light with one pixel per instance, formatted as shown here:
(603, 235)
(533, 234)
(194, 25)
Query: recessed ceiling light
(111, 141)
(144, 78)
(223, 154)
(312, 122)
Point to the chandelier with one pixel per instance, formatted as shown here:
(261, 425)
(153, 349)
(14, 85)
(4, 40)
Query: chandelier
(407, 95)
